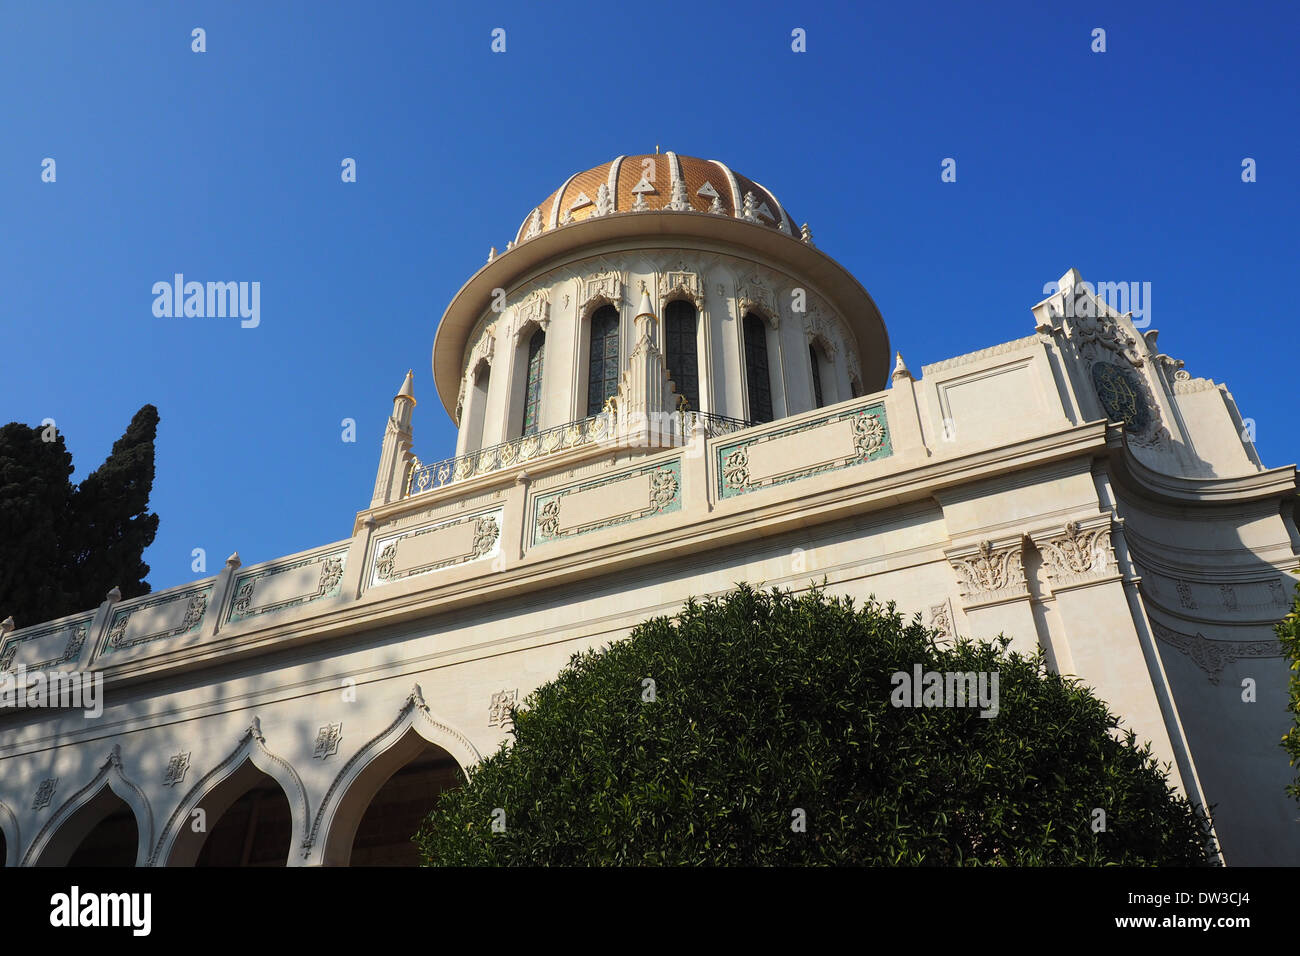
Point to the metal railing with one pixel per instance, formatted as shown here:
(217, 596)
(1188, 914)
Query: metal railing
(672, 428)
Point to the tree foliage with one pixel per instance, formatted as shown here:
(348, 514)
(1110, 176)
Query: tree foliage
(1288, 632)
(766, 704)
(63, 546)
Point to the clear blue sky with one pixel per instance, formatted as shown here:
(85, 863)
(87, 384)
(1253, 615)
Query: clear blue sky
(225, 166)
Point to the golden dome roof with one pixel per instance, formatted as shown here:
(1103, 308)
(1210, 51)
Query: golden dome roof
(655, 182)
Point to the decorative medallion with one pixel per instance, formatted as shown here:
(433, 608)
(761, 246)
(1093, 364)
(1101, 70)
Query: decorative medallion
(176, 769)
(45, 793)
(1122, 396)
(327, 740)
(499, 709)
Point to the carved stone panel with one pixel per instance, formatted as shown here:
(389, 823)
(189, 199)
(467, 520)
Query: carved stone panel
(418, 551)
(1079, 554)
(605, 502)
(285, 586)
(811, 448)
(46, 646)
(991, 571)
(170, 615)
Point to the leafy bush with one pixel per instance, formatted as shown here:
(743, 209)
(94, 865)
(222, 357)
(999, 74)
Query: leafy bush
(766, 704)
(1288, 632)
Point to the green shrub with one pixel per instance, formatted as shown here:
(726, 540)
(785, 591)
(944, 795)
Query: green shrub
(767, 704)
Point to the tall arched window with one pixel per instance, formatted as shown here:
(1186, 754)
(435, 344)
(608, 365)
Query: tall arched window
(816, 361)
(533, 391)
(476, 403)
(602, 372)
(681, 351)
(756, 373)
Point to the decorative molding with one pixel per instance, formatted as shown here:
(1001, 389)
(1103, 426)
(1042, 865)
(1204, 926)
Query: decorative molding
(862, 435)
(327, 741)
(327, 585)
(479, 542)
(195, 607)
(45, 793)
(71, 651)
(991, 571)
(252, 743)
(754, 295)
(413, 708)
(1212, 656)
(534, 310)
(500, 706)
(177, 767)
(682, 283)
(972, 357)
(1082, 553)
(109, 773)
(605, 288)
(662, 490)
(1185, 595)
(941, 621)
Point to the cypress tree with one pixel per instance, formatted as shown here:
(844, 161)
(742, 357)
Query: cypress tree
(35, 468)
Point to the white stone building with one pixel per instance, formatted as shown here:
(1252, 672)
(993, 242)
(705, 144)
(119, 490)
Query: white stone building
(663, 387)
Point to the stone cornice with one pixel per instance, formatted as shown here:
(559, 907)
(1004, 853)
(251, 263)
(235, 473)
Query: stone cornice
(971, 357)
(1203, 492)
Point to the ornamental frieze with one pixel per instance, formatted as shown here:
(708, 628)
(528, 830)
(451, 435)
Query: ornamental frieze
(1213, 656)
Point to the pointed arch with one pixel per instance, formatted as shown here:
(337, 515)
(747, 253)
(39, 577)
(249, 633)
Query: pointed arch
(9, 826)
(178, 845)
(52, 849)
(330, 839)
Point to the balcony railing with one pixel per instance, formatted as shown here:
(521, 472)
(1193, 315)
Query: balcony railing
(672, 428)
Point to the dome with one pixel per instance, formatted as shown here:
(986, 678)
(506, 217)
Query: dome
(655, 182)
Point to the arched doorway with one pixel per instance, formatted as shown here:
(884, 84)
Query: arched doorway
(245, 820)
(255, 830)
(102, 832)
(383, 835)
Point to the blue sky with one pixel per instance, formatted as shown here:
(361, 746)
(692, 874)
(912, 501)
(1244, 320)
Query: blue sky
(225, 165)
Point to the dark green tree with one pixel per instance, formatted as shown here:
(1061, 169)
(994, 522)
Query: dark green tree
(62, 547)
(34, 495)
(769, 736)
(1288, 632)
(112, 524)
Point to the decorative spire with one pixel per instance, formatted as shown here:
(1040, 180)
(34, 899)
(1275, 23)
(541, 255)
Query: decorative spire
(408, 387)
(805, 234)
(644, 307)
(900, 368)
(492, 253)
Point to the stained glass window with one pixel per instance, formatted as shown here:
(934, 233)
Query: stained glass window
(680, 350)
(760, 383)
(816, 374)
(602, 372)
(533, 394)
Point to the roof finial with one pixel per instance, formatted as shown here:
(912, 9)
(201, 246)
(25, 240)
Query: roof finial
(656, 149)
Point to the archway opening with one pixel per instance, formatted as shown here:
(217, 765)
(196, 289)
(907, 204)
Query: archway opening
(383, 836)
(255, 828)
(103, 832)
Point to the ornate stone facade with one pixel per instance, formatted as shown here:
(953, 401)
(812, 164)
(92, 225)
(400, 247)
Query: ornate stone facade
(1010, 491)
